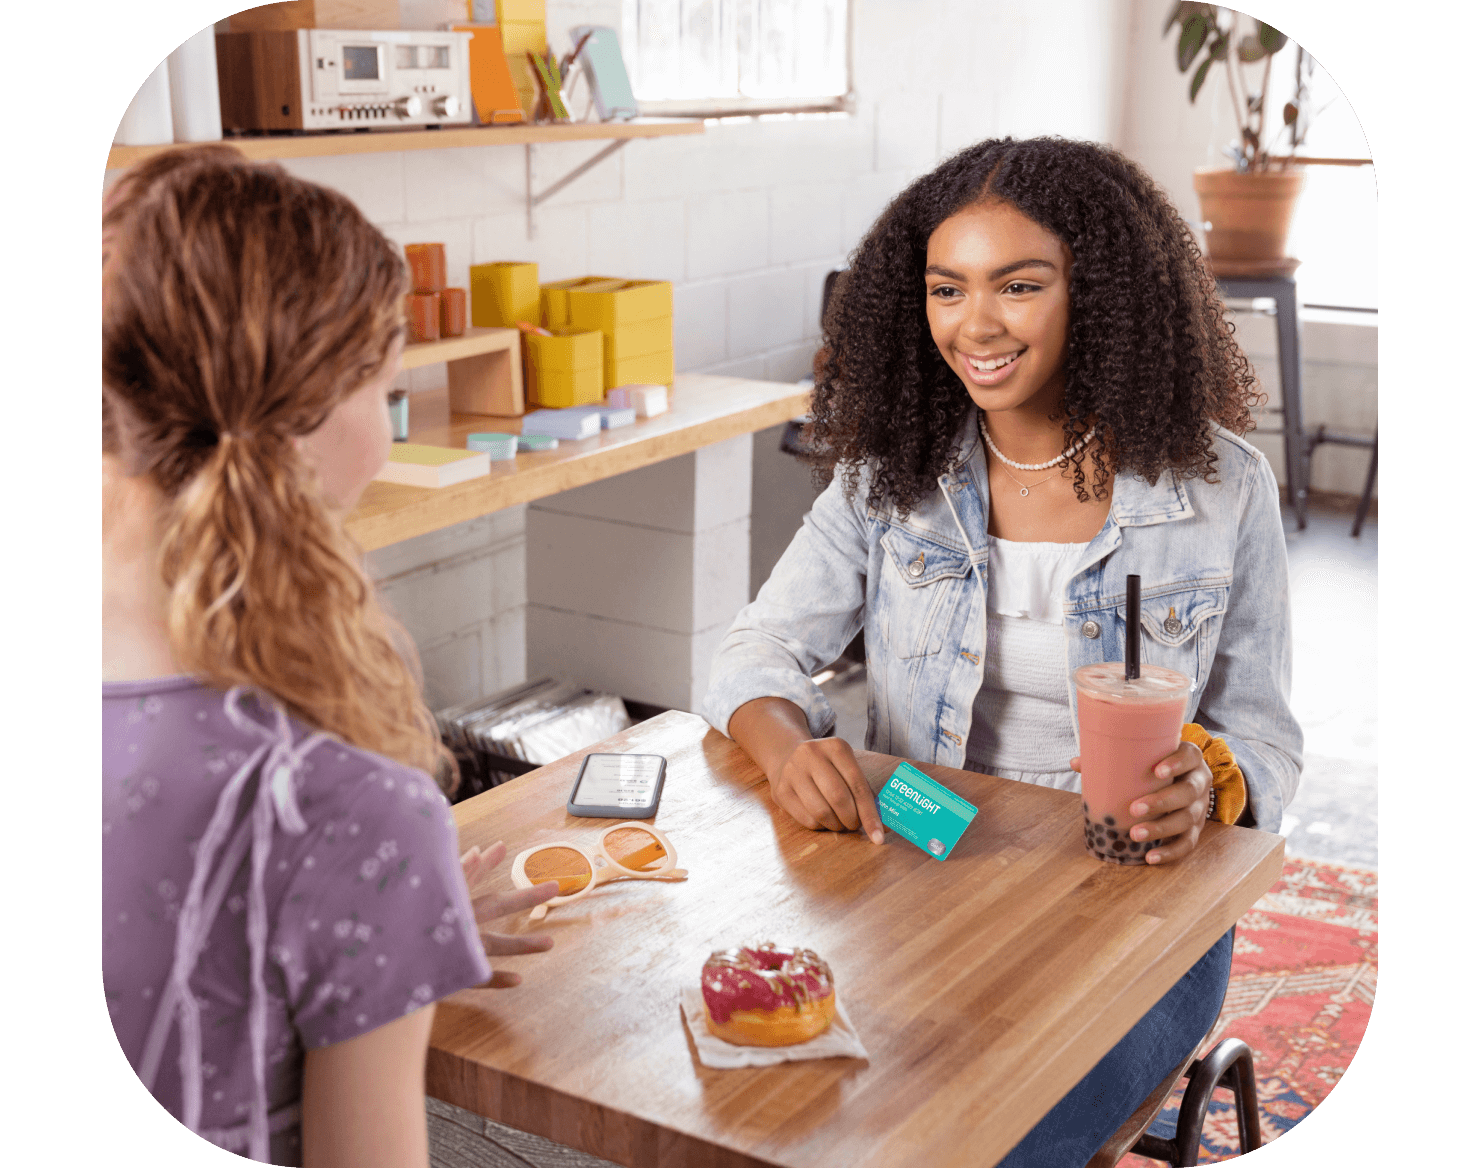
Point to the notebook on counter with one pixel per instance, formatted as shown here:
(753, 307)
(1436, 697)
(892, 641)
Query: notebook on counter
(432, 466)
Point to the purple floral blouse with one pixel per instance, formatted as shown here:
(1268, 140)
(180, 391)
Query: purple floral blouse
(266, 890)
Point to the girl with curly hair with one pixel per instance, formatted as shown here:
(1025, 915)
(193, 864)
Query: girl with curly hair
(282, 896)
(1027, 390)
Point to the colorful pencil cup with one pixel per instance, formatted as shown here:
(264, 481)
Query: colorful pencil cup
(422, 316)
(428, 265)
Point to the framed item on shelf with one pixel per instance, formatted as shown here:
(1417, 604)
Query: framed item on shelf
(601, 59)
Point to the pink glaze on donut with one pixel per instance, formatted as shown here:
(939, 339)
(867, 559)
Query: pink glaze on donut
(762, 978)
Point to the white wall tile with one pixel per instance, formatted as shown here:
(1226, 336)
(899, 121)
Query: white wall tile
(792, 363)
(638, 240)
(452, 670)
(561, 246)
(725, 233)
(766, 311)
(721, 488)
(700, 325)
(613, 570)
(660, 496)
(905, 132)
(644, 664)
(501, 528)
(752, 367)
(376, 182)
(503, 662)
(463, 182)
(720, 579)
(553, 161)
(806, 222)
(865, 199)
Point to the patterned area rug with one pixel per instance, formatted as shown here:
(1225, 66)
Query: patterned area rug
(1304, 971)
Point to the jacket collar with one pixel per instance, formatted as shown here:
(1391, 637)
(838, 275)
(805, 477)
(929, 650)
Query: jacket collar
(1134, 503)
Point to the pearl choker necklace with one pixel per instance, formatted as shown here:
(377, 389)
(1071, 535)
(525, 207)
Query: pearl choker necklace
(981, 423)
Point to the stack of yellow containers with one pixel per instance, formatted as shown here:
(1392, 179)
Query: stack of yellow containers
(564, 369)
(522, 26)
(635, 318)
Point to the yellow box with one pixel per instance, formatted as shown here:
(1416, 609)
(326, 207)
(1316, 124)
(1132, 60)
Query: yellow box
(558, 389)
(639, 338)
(653, 369)
(519, 10)
(524, 36)
(503, 294)
(555, 303)
(635, 300)
(568, 351)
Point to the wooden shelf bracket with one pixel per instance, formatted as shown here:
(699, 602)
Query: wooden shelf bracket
(532, 200)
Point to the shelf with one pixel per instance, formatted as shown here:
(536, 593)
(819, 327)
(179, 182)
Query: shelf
(473, 342)
(702, 410)
(386, 141)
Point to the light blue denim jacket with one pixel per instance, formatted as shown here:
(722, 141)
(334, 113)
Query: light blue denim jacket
(1215, 603)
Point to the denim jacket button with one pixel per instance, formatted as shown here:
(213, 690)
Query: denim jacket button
(1090, 629)
(917, 567)
(1172, 625)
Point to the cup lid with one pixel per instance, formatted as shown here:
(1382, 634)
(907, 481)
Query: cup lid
(1106, 679)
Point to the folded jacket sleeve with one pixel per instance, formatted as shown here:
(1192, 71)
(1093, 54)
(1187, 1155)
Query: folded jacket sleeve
(802, 619)
(1247, 698)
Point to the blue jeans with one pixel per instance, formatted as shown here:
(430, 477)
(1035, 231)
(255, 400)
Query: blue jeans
(1099, 1103)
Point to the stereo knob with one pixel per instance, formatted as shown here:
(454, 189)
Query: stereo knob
(447, 107)
(408, 107)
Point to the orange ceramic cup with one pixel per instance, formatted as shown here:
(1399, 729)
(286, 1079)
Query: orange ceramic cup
(454, 305)
(422, 313)
(428, 264)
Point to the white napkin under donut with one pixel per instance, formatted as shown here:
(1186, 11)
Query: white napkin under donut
(839, 1040)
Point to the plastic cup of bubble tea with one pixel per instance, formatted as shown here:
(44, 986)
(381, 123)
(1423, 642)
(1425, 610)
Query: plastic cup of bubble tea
(1130, 718)
(1126, 727)
(497, 446)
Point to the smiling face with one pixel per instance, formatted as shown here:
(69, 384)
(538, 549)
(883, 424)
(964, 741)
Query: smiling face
(997, 299)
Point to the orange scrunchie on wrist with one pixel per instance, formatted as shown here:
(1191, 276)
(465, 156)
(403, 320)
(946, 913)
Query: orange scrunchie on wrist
(1230, 795)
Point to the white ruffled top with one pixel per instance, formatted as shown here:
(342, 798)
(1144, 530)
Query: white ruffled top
(1021, 725)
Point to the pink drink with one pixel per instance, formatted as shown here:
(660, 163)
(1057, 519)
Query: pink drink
(1125, 729)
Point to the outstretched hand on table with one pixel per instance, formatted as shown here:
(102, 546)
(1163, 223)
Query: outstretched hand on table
(1178, 812)
(477, 867)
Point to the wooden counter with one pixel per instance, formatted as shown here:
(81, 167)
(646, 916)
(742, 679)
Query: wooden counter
(702, 410)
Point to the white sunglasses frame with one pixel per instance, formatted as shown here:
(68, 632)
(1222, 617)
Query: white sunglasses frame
(601, 873)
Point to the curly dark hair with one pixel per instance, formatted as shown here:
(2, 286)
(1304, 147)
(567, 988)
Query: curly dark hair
(1151, 359)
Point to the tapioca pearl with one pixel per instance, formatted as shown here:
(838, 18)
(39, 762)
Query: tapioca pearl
(1119, 845)
(1109, 821)
(1136, 847)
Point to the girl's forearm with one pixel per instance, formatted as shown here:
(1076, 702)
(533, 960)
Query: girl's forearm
(769, 730)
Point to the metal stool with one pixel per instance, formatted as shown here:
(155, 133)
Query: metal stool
(1229, 1064)
(1281, 289)
(1324, 435)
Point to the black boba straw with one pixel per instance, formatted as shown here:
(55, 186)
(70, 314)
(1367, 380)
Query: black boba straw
(1132, 627)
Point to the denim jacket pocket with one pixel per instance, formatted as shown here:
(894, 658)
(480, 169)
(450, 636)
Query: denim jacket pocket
(917, 591)
(1179, 626)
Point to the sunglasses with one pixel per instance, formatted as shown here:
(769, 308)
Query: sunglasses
(623, 852)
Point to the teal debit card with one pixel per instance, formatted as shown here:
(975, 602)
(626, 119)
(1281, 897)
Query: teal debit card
(925, 813)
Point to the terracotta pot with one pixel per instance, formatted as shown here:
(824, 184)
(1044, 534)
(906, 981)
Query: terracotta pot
(1246, 217)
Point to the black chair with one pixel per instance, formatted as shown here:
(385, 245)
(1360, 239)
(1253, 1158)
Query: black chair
(1229, 1064)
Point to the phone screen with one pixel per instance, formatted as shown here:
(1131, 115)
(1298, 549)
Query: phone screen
(618, 780)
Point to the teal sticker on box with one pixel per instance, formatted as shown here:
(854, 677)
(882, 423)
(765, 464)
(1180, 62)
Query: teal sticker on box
(925, 813)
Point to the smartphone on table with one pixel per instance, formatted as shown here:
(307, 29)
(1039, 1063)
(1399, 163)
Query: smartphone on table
(618, 786)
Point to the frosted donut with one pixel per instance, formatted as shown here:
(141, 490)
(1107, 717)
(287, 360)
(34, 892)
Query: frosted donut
(765, 996)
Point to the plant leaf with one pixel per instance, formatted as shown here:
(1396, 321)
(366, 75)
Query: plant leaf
(1292, 111)
(1198, 78)
(1271, 38)
(1173, 16)
(1249, 49)
(1218, 50)
(1194, 34)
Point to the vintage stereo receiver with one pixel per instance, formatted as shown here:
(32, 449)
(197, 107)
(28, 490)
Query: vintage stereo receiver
(342, 79)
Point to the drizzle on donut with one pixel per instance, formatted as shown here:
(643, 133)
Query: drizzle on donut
(763, 995)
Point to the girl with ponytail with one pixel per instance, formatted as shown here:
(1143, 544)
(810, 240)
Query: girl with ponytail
(282, 898)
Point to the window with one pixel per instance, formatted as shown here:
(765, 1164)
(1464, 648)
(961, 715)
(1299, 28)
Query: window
(717, 57)
(1334, 232)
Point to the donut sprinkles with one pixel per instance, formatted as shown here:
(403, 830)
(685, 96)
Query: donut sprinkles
(765, 995)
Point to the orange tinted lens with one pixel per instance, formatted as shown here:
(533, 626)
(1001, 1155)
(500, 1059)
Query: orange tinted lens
(636, 850)
(565, 865)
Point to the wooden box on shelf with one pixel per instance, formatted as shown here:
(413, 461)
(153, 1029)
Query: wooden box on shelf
(483, 370)
(318, 14)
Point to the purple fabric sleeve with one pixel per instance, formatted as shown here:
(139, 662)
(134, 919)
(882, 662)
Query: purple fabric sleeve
(376, 922)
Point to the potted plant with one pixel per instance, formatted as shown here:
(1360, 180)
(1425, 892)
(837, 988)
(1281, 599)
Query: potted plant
(1246, 207)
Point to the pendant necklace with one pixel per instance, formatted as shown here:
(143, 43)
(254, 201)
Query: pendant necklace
(981, 423)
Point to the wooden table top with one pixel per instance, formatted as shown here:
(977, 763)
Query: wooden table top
(702, 409)
(983, 987)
